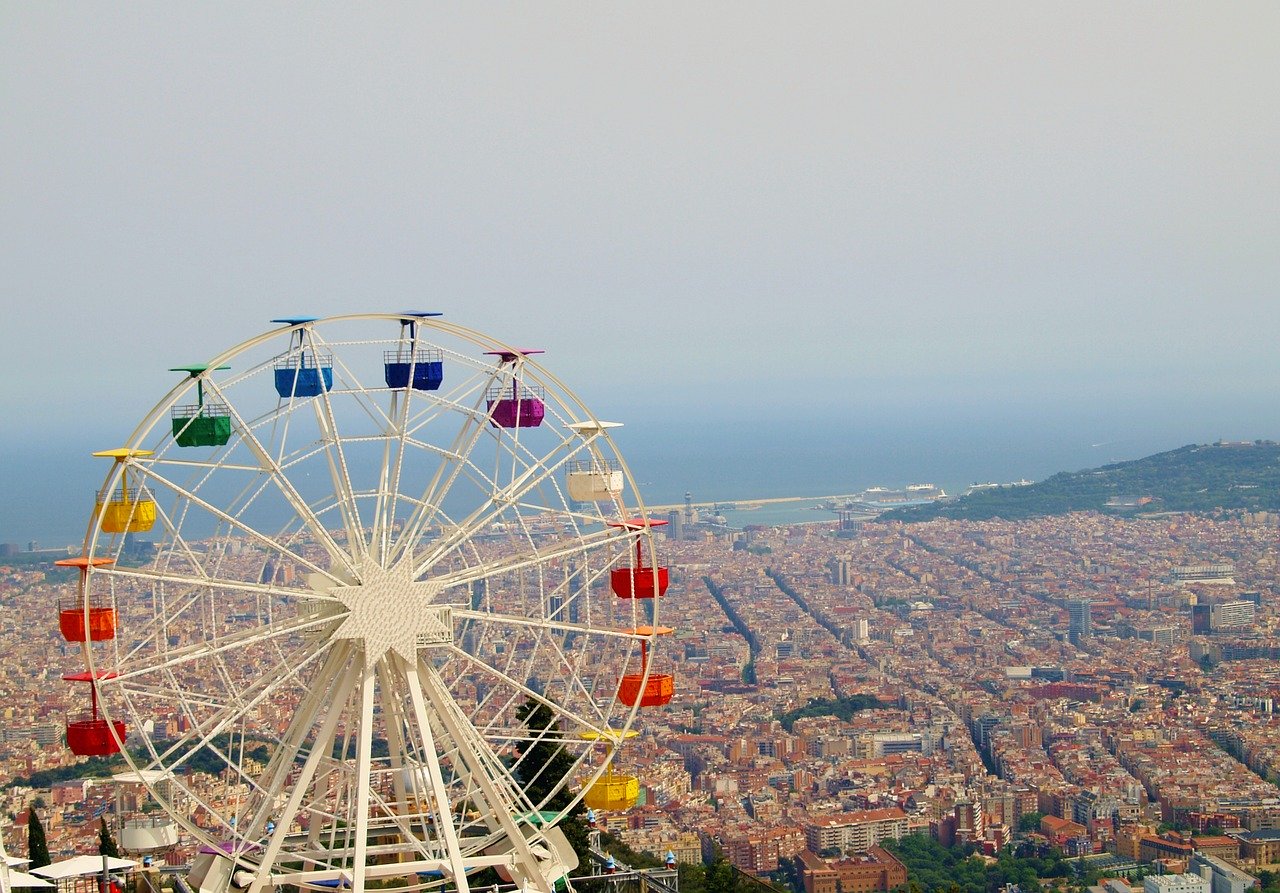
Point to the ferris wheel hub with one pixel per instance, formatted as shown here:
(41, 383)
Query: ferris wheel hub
(389, 611)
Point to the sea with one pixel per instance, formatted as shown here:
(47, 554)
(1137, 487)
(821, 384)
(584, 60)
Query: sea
(739, 457)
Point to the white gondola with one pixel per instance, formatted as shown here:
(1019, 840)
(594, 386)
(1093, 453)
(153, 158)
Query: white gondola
(594, 479)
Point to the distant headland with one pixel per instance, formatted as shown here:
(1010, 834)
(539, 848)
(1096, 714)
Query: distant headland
(1227, 475)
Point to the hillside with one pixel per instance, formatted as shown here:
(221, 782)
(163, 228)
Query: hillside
(1241, 476)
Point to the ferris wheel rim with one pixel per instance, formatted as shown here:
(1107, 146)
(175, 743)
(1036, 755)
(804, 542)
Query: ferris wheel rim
(145, 428)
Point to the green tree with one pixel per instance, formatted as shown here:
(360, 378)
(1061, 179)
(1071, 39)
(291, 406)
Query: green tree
(542, 767)
(693, 878)
(37, 846)
(790, 873)
(721, 878)
(1030, 821)
(106, 843)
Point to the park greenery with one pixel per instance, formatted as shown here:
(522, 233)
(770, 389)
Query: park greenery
(841, 708)
(934, 868)
(93, 767)
(821, 619)
(716, 876)
(204, 760)
(739, 625)
(1194, 478)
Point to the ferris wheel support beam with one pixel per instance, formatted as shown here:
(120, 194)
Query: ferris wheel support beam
(427, 679)
(440, 794)
(393, 719)
(364, 757)
(302, 721)
(346, 681)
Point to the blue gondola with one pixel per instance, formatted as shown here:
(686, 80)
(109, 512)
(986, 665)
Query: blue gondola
(302, 373)
(421, 368)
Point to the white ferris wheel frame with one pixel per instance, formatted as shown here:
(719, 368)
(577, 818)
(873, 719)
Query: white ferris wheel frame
(351, 652)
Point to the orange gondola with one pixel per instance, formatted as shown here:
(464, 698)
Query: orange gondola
(77, 622)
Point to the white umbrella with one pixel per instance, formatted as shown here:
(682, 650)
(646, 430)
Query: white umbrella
(22, 879)
(81, 866)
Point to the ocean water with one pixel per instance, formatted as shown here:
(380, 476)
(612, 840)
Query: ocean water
(737, 456)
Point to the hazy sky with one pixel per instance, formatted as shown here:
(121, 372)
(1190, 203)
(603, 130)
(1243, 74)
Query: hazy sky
(852, 204)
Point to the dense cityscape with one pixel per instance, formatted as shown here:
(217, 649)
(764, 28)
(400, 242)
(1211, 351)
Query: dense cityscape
(1095, 686)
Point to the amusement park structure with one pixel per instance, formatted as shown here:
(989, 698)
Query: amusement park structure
(377, 538)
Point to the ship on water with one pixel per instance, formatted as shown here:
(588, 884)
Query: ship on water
(879, 499)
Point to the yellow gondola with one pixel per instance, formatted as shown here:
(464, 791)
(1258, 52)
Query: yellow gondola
(126, 509)
(613, 791)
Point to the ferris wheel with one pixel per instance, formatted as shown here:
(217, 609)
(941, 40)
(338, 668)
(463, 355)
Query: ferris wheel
(378, 599)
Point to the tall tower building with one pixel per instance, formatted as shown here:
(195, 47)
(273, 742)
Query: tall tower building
(1080, 620)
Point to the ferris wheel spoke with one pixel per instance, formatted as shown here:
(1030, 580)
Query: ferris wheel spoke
(564, 549)
(209, 582)
(339, 471)
(585, 724)
(558, 625)
(398, 446)
(394, 438)
(236, 523)
(446, 474)
(285, 486)
(340, 476)
(136, 666)
(570, 669)
(204, 731)
(393, 451)
(490, 511)
(596, 642)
